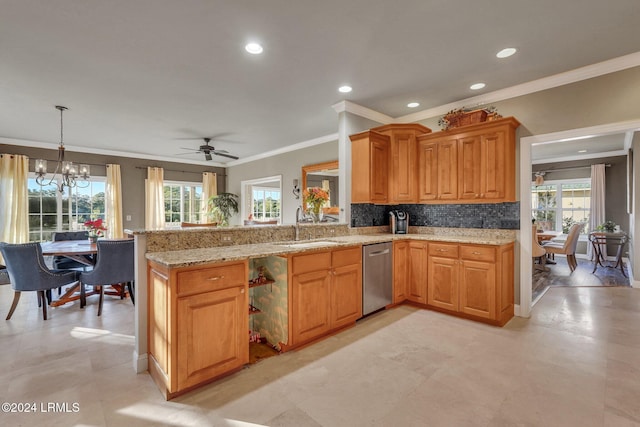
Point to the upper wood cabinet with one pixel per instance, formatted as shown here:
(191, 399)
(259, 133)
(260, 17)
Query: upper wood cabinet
(474, 164)
(370, 167)
(403, 162)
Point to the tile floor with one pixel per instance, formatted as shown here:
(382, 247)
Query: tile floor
(576, 362)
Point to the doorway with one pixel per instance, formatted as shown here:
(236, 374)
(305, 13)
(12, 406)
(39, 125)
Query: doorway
(568, 138)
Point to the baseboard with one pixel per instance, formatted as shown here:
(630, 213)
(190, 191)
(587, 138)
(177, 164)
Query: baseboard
(516, 310)
(140, 362)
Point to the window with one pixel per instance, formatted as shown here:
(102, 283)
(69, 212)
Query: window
(558, 205)
(183, 202)
(266, 203)
(50, 210)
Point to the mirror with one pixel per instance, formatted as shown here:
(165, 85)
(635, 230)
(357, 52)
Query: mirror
(325, 176)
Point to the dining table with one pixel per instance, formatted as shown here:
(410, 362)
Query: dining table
(83, 251)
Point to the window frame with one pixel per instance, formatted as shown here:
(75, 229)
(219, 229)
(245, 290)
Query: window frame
(196, 215)
(559, 210)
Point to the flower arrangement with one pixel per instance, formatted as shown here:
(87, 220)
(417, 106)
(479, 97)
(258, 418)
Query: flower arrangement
(315, 197)
(96, 228)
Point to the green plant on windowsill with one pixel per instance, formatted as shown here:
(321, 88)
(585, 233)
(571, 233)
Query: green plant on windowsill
(608, 226)
(567, 222)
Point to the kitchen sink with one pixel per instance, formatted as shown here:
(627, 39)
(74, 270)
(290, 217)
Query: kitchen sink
(305, 245)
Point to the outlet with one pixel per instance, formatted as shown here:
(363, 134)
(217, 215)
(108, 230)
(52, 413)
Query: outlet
(226, 238)
(128, 218)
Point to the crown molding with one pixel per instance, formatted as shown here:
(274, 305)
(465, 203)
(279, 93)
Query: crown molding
(568, 77)
(99, 151)
(605, 129)
(359, 110)
(294, 147)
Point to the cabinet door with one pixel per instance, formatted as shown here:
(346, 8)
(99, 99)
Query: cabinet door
(379, 170)
(346, 295)
(470, 167)
(403, 168)
(478, 289)
(212, 335)
(310, 305)
(417, 289)
(428, 171)
(443, 283)
(493, 168)
(448, 170)
(400, 271)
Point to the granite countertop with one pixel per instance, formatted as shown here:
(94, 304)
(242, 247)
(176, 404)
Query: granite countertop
(184, 258)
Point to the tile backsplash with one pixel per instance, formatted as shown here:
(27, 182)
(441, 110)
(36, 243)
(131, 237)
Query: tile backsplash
(481, 215)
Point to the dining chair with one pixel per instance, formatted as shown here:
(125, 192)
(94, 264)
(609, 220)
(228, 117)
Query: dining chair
(61, 262)
(115, 265)
(28, 272)
(538, 252)
(567, 248)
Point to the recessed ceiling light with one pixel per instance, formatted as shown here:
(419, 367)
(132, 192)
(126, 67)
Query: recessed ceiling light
(507, 52)
(345, 89)
(477, 86)
(582, 151)
(253, 48)
(413, 104)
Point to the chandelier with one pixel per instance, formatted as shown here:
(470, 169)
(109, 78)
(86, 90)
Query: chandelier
(69, 175)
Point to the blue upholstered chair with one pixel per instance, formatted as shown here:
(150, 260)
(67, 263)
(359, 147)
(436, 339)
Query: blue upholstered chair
(115, 265)
(61, 262)
(28, 272)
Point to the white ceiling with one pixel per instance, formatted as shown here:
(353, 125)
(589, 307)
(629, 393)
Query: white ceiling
(139, 76)
(588, 147)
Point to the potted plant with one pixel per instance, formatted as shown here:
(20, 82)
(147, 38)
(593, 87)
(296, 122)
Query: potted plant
(315, 198)
(221, 207)
(96, 229)
(608, 226)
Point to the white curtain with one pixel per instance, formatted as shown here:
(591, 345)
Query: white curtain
(14, 202)
(209, 188)
(597, 216)
(113, 203)
(154, 200)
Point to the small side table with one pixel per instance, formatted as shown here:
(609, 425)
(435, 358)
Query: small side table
(599, 240)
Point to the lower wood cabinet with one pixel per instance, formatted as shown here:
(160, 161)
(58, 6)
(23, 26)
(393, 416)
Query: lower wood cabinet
(325, 292)
(475, 280)
(401, 264)
(198, 323)
(410, 271)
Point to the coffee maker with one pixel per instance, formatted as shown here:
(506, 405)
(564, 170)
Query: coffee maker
(398, 222)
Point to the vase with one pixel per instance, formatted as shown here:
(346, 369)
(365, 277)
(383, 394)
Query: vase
(93, 239)
(317, 216)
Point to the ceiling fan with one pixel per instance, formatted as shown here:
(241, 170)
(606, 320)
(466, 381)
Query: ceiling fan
(208, 150)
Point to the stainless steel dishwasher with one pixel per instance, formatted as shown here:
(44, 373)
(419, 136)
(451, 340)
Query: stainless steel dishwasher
(377, 278)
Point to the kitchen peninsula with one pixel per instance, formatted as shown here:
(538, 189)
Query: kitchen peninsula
(201, 282)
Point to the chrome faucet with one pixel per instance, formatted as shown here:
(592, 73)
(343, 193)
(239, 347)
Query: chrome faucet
(297, 227)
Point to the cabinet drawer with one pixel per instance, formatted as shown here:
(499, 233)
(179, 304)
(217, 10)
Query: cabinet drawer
(311, 262)
(211, 278)
(348, 256)
(445, 250)
(478, 253)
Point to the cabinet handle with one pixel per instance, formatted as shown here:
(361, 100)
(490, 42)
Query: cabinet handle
(215, 278)
(443, 250)
(242, 291)
(475, 253)
(477, 195)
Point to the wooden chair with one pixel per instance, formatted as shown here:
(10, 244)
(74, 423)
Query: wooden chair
(569, 246)
(538, 252)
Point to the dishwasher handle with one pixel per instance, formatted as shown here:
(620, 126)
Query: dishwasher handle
(384, 252)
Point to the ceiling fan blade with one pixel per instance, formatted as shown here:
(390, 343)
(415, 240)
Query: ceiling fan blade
(217, 153)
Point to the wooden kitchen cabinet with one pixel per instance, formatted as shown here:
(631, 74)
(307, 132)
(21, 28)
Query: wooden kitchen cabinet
(370, 167)
(401, 262)
(474, 280)
(417, 283)
(403, 164)
(198, 323)
(474, 164)
(326, 292)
